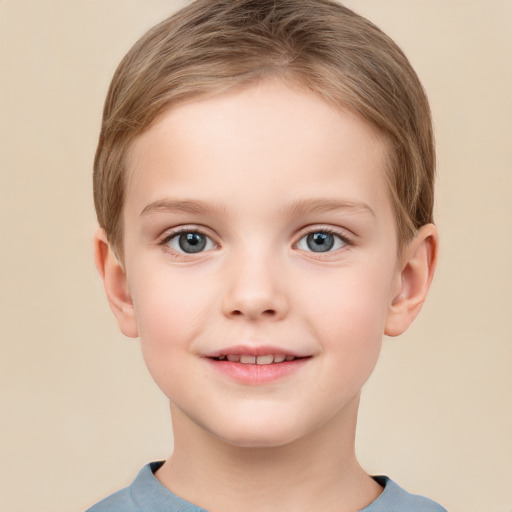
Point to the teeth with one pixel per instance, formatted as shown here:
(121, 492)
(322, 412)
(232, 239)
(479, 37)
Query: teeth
(261, 360)
(264, 359)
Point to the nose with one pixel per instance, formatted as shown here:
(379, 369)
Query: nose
(255, 290)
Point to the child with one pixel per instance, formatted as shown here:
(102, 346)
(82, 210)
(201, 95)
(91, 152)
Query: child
(264, 187)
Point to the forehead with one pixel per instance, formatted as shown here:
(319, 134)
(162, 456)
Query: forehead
(268, 139)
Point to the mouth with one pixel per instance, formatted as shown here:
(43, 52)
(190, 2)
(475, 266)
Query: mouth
(257, 365)
(261, 360)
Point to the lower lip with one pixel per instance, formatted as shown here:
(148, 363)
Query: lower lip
(257, 374)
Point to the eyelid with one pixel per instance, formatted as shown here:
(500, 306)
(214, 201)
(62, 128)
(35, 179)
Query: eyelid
(345, 235)
(171, 233)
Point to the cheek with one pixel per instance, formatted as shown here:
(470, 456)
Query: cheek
(349, 308)
(169, 311)
(348, 321)
(167, 305)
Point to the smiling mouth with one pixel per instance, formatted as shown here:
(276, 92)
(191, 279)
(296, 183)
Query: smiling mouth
(256, 360)
(257, 366)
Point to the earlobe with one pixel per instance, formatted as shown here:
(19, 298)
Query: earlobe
(115, 283)
(417, 270)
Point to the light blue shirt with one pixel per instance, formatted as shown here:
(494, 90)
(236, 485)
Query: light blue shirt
(147, 494)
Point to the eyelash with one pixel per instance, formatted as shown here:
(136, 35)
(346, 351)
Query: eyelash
(347, 240)
(341, 235)
(168, 236)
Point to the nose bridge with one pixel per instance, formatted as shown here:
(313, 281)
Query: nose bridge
(255, 285)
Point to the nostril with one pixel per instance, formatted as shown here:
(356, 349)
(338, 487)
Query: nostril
(269, 313)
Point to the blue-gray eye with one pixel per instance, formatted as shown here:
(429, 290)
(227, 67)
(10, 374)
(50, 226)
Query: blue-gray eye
(321, 241)
(191, 242)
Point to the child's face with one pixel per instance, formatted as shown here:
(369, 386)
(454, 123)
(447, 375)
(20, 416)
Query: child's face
(258, 223)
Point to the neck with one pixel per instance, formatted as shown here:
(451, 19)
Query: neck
(316, 472)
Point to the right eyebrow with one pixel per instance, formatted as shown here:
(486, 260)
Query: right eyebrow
(179, 206)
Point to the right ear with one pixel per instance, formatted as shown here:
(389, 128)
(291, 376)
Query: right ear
(115, 283)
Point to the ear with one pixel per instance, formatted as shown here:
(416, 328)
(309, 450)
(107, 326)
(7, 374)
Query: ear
(417, 270)
(115, 283)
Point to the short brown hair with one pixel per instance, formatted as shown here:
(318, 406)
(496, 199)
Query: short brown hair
(211, 46)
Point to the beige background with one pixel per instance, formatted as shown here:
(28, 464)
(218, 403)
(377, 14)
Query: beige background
(79, 414)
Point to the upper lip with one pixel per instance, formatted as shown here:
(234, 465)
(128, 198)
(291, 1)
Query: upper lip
(257, 350)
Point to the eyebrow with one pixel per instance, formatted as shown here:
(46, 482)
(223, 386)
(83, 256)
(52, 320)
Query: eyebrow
(180, 206)
(303, 206)
(327, 205)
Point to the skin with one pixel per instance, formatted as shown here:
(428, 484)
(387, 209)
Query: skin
(256, 170)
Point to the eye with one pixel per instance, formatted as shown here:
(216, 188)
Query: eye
(190, 242)
(321, 241)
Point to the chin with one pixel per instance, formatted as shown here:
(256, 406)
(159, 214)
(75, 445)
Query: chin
(258, 434)
(253, 441)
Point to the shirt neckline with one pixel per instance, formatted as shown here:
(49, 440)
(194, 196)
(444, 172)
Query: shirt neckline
(152, 496)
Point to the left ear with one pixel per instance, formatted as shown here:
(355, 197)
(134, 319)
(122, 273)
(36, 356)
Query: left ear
(417, 265)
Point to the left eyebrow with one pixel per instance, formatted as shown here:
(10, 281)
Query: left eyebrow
(327, 205)
(180, 206)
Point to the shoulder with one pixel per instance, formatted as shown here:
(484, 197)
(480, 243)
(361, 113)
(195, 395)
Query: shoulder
(125, 499)
(121, 500)
(396, 499)
(144, 494)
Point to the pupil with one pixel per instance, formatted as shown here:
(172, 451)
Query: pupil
(192, 242)
(320, 242)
